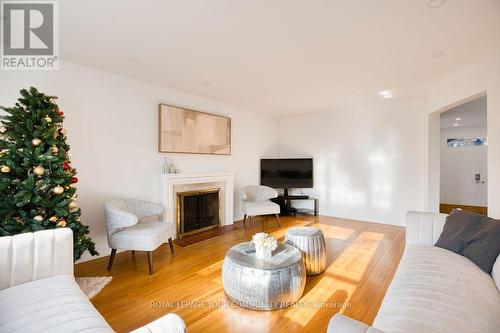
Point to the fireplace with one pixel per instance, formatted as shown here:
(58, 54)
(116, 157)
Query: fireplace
(197, 211)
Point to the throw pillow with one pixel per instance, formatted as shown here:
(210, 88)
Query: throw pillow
(474, 236)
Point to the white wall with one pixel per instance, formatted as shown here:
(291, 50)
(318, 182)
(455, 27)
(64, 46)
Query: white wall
(112, 123)
(369, 161)
(467, 84)
(459, 166)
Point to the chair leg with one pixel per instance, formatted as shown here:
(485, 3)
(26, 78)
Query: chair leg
(171, 244)
(111, 259)
(278, 219)
(244, 220)
(133, 252)
(150, 262)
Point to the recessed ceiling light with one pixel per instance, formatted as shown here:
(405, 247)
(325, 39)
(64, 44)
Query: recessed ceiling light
(433, 4)
(437, 54)
(206, 84)
(132, 60)
(458, 119)
(455, 124)
(386, 94)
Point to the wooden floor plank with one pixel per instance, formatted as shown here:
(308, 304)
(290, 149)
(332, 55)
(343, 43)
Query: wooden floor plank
(204, 235)
(361, 261)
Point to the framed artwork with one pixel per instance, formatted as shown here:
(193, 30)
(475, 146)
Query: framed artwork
(181, 130)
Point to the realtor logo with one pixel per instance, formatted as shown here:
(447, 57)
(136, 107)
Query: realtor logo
(30, 35)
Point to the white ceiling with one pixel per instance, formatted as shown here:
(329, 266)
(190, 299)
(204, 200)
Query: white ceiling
(472, 113)
(282, 56)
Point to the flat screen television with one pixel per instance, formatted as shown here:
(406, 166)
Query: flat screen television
(286, 173)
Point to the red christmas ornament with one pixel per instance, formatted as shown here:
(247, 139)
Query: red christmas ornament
(66, 166)
(60, 113)
(74, 180)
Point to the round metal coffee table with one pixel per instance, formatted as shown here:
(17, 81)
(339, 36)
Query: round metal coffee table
(311, 242)
(263, 284)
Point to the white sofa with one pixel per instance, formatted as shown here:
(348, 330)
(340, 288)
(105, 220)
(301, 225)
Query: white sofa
(38, 292)
(434, 290)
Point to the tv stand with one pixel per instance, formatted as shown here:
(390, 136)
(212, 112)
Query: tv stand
(285, 202)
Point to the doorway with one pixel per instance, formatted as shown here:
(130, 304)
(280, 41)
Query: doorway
(463, 157)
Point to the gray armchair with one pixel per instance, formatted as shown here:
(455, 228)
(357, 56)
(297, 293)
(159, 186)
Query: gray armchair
(128, 229)
(256, 202)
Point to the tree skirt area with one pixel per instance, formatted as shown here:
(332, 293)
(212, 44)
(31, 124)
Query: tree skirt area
(92, 286)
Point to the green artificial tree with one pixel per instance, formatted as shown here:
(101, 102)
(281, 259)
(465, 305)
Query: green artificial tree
(36, 177)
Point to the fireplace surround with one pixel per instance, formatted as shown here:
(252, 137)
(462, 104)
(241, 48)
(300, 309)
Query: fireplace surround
(187, 182)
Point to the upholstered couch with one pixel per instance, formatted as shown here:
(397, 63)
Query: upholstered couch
(434, 290)
(38, 292)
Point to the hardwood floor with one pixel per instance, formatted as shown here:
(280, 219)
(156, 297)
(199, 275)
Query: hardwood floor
(447, 208)
(362, 259)
(204, 235)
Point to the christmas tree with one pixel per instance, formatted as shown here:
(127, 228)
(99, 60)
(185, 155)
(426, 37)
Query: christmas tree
(36, 177)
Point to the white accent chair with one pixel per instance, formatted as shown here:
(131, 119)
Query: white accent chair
(38, 292)
(434, 290)
(256, 202)
(129, 227)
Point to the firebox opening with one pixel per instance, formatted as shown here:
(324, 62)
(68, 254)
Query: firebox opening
(197, 211)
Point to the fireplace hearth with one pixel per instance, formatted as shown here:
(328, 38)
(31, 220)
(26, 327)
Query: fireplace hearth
(197, 211)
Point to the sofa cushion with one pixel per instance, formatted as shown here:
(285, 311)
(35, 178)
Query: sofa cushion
(260, 208)
(474, 236)
(144, 236)
(495, 273)
(54, 304)
(437, 291)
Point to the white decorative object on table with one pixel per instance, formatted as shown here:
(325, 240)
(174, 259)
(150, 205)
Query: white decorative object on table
(264, 245)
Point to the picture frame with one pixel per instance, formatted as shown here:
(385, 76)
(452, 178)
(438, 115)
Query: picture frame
(185, 131)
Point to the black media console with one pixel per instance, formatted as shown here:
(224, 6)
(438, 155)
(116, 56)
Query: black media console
(285, 202)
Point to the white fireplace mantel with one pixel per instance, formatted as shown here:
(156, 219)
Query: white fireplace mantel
(175, 182)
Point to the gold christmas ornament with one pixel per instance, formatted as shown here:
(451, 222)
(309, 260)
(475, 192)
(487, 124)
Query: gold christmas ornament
(61, 223)
(73, 205)
(54, 149)
(38, 218)
(53, 219)
(48, 119)
(3, 151)
(39, 170)
(5, 168)
(58, 189)
(3, 129)
(63, 131)
(36, 141)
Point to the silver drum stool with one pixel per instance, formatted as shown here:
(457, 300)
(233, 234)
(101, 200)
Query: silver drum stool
(311, 242)
(263, 284)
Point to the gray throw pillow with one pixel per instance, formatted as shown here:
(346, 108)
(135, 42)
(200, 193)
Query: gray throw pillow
(474, 236)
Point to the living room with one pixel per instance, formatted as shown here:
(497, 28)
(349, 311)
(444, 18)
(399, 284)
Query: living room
(341, 99)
